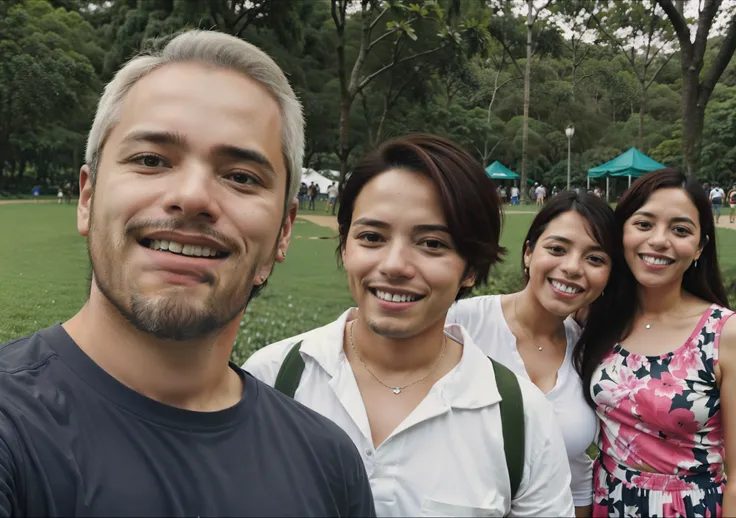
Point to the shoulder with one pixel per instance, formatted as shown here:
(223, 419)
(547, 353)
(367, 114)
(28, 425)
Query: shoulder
(572, 331)
(28, 352)
(305, 426)
(473, 309)
(265, 363)
(725, 339)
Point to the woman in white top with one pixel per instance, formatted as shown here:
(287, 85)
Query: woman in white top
(567, 258)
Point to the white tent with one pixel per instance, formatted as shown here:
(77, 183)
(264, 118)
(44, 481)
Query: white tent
(310, 175)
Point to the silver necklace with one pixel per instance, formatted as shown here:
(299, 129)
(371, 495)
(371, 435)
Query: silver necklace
(396, 390)
(516, 316)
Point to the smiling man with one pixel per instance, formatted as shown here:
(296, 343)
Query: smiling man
(443, 430)
(131, 407)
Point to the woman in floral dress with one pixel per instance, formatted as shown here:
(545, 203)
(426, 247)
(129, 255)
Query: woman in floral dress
(660, 361)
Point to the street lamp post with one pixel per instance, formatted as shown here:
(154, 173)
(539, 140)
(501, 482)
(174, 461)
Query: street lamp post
(569, 131)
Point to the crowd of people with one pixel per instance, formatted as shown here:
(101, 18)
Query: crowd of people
(421, 400)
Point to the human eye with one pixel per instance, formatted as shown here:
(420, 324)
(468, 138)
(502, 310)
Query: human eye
(434, 244)
(150, 160)
(244, 178)
(598, 260)
(643, 225)
(370, 237)
(682, 231)
(555, 249)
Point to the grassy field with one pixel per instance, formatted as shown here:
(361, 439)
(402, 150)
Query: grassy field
(44, 275)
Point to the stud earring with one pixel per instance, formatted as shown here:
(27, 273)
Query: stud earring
(283, 254)
(263, 279)
(526, 271)
(695, 264)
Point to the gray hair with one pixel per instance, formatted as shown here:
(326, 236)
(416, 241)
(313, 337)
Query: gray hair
(220, 50)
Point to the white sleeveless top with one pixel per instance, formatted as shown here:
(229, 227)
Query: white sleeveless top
(483, 319)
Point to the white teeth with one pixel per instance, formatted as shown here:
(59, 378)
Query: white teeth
(565, 288)
(394, 297)
(178, 248)
(655, 260)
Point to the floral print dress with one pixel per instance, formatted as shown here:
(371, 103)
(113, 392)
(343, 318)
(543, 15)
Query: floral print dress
(661, 439)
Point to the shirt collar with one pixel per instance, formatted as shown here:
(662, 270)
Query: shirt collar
(471, 384)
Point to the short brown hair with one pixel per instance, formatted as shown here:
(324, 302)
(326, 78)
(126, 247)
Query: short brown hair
(468, 196)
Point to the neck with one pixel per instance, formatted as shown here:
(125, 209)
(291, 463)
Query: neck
(397, 355)
(532, 316)
(192, 375)
(659, 301)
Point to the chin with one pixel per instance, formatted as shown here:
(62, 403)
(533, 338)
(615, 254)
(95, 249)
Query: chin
(389, 330)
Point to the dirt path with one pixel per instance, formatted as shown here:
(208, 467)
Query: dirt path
(323, 221)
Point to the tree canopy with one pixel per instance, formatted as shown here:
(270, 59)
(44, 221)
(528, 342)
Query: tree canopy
(367, 70)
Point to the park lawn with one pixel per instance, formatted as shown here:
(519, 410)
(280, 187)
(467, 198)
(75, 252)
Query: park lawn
(44, 275)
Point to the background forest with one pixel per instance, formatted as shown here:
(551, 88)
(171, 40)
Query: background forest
(503, 78)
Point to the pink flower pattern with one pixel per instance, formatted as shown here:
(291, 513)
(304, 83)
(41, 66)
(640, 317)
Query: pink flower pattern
(661, 430)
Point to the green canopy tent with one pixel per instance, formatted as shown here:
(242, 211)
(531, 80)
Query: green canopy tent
(498, 171)
(633, 163)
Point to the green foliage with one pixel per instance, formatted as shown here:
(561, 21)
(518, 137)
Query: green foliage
(56, 55)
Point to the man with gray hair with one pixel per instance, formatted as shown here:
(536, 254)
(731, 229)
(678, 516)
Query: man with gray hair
(131, 407)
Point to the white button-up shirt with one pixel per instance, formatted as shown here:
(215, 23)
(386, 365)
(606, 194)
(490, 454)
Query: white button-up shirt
(446, 458)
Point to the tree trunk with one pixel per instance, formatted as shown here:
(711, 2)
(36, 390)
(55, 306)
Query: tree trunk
(692, 119)
(344, 149)
(527, 88)
(642, 111)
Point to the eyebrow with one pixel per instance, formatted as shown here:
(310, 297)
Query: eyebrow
(170, 138)
(369, 222)
(679, 219)
(569, 242)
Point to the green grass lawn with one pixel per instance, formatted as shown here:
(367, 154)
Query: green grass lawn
(44, 271)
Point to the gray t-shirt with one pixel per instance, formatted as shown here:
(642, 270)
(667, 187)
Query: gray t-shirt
(76, 442)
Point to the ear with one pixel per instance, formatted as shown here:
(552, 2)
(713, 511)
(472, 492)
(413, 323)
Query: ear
(282, 245)
(84, 206)
(527, 254)
(469, 281)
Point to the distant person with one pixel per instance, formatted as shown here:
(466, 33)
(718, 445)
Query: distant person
(541, 194)
(311, 194)
(302, 195)
(419, 226)
(36, 191)
(716, 199)
(131, 407)
(732, 203)
(533, 192)
(59, 196)
(555, 190)
(332, 192)
(514, 195)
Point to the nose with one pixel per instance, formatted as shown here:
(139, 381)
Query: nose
(396, 262)
(572, 266)
(658, 238)
(190, 194)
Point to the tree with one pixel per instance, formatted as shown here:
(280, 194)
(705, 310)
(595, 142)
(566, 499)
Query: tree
(48, 88)
(641, 34)
(401, 31)
(698, 85)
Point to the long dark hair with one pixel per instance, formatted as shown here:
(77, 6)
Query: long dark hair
(468, 196)
(610, 321)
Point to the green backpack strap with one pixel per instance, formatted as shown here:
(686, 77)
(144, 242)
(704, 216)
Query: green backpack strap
(512, 423)
(290, 372)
